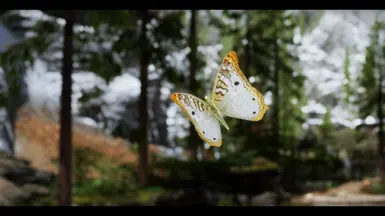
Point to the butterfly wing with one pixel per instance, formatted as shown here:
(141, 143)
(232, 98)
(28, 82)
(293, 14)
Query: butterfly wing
(199, 113)
(233, 94)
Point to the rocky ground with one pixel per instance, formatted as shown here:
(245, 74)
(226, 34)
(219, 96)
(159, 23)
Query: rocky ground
(20, 183)
(27, 175)
(348, 194)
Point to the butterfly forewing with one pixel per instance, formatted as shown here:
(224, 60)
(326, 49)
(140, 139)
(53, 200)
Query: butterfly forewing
(199, 113)
(233, 94)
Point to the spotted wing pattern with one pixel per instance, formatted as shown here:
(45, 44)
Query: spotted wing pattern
(198, 111)
(233, 94)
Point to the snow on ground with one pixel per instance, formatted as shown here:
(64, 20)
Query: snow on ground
(44, 87)
(121, 89)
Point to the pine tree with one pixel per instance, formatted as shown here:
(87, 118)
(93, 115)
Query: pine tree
(255, 35)
(327, 125)
(194, 140)
(370, 81)
(162, 35)
(348, 81)
(367, 81)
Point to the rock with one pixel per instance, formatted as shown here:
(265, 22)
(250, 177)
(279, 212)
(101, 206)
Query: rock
(20, 183)
(41, 177)
(14, 169)
(10, 194)
(19, 171)
(265, 199)
(35, 190)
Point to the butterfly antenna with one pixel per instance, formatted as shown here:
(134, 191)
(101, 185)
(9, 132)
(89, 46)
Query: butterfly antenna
(225, 125)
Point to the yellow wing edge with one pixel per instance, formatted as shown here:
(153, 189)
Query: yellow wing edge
(174, 98)
(232, 58)
(261, 102)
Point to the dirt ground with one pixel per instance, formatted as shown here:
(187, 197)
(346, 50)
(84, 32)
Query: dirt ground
(347, 194)
(38, 138)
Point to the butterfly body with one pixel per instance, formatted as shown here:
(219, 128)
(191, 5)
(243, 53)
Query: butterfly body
(217, 113)
(232, 96)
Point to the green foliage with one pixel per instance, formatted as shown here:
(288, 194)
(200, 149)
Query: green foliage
(113, 179)
(110, 43)
(315, 164)
(169, 37)
(240, 158)
(309, 19)
(100, 180)
(367, 80)
(44, 33)
(107, 44)
(375, 188)
(327, 129)
(12, 20)
(225, 201)
(347, 84)
(237, 159)
(232, 174)
(254, 41)
(113, 18)
(327, 125)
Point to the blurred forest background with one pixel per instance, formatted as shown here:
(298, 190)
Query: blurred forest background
(321, 72)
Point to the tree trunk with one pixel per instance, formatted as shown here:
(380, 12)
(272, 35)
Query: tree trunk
(276, 94)
(65, 157)
(193, 139)
(11, 114)
(380, 149)
(143, 112)
(16, 97)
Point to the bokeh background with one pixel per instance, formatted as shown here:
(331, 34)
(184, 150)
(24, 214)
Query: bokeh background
(321, 72)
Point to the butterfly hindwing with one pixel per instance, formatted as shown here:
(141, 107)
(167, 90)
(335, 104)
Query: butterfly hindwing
(198, 111)
(233, 94)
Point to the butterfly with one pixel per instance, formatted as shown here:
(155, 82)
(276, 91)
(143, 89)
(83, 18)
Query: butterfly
(232, 96)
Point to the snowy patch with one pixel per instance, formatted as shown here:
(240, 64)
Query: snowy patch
(314, 107)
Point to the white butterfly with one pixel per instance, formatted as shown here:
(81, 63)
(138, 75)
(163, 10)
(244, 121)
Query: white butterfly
(231, 96)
